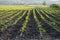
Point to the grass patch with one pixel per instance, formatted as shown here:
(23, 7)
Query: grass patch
(15, 7)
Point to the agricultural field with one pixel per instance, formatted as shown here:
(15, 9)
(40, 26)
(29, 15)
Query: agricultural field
(28, 21)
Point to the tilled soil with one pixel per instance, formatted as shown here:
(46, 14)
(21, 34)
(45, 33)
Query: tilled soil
(31, 31)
